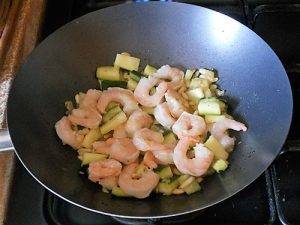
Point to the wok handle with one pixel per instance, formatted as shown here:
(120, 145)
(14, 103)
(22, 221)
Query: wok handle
(5, 141)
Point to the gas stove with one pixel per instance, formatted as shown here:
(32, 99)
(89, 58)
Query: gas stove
(272, 199)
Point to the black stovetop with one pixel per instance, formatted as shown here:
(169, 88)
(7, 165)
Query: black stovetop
(274, 198)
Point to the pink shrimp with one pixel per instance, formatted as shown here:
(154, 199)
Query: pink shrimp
(138, 120)
(196, 166)
(164, 156)
(120, 132)
(149, 160)
(123, 150)
(142, 90)
(189, 125)
(102, 147)
(176, 103)
(104, 168)
(218, 130)
(163, 116)
(139, 188)
(123, 96)
(170, 73)
(90, 99)
(87, 117)
(68, 136)
(148, 140)
(109, 182)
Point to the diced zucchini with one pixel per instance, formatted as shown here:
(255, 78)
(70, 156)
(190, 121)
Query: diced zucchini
(192, 188)
(206, 106)
(220, 165)
(149, 70)
(167, 189)
(117, 191)
(195, 94)
(207, 74)
(213, 118)
(218, 150)
(169, 138)
(131, 84)
(111, 113)
(189, 74)
(127, 62)
(135, 75)
(88, 157)
(81, 151)
(111, 105)
(116, 121)
(183, 178)
(108, 73)
(165, 173)
(187, 182)
(104, 84)
(199, 82)
(148, 110)
(92, 136)
(166, 181)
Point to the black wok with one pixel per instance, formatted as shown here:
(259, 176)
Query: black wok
(182, 35)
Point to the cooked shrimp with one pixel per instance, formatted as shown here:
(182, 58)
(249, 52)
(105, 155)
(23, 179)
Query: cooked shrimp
(123, 150)
(109, 182)
(104, 168)
(86, 117)
(189, 125)
(68, 136)
(219, 128)
(115, 94)
(138, 120)
(164, 156)
(176, 103)
(148, 140)
(120, 132)
(196, 166)
(139, 188)
(90, 99)
(149, 160)
(163, 115)
(142, 90)
(170, 73)
(102, 147)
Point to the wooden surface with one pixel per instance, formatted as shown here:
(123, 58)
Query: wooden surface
(20, 23)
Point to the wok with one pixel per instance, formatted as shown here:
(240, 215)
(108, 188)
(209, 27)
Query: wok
(182, 35)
